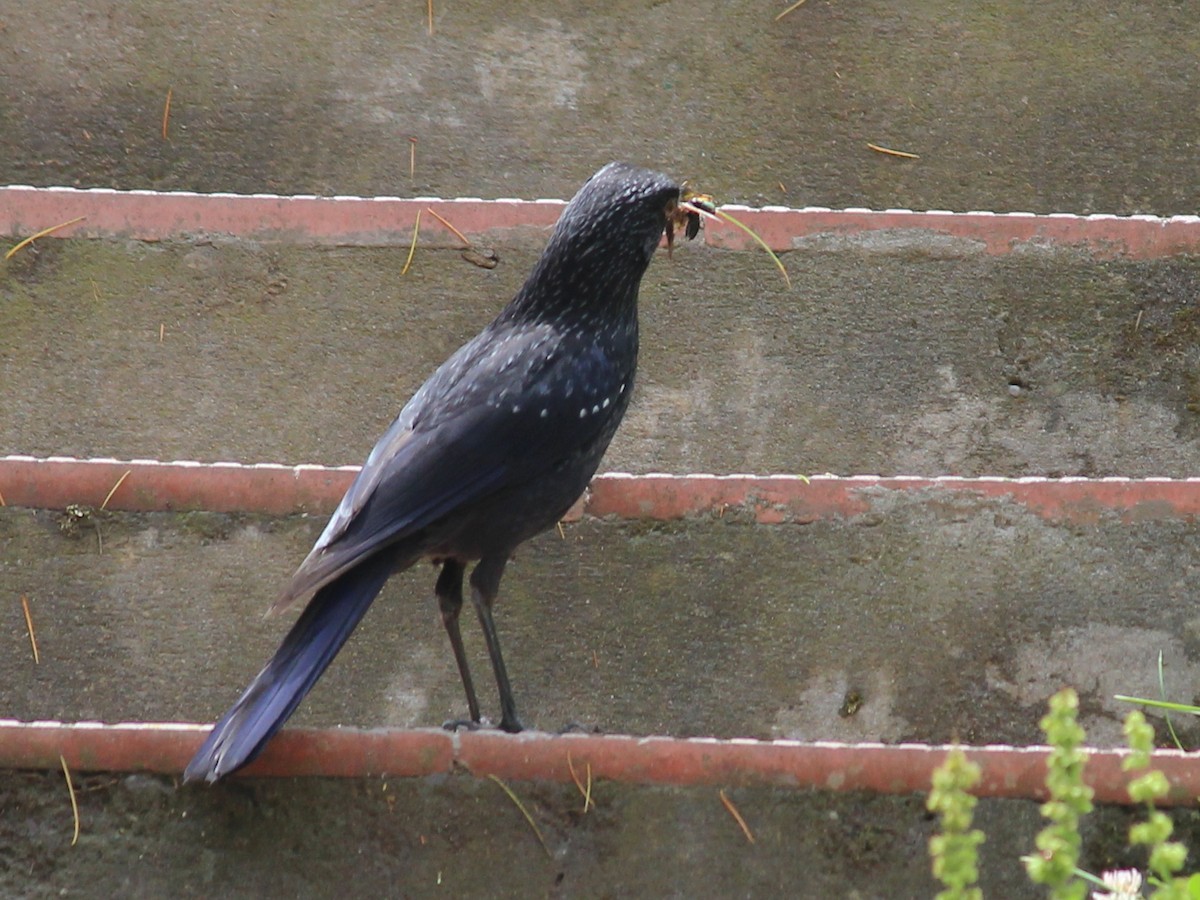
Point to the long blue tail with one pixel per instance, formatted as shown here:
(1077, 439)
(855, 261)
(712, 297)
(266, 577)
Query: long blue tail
(305, 653)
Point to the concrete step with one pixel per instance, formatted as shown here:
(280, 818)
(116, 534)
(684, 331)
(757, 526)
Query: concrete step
(1009, 106)
(938, 613)
(581, 793)
(847, 609)
(898, 353)
(907, 349)
(462, 836)
(934, 610)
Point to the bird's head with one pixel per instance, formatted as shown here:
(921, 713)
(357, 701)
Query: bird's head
(619, 215)
(604, 240)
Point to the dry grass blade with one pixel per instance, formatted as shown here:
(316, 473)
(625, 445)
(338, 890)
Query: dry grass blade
(429, 9)
(585, 791)
(120, 481)
(792, 8)
(528, 818)
(42, 233)
(412, 158)
(74, 803)
(412, 249)
(737, 816)
(750, 231)
(458, 234)
(167, 113)
(2, 503)
(890, 152)
(29, 625)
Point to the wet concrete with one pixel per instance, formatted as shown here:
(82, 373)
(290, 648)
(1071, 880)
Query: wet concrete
(946, 618)
(888, 355)
(1048, 106)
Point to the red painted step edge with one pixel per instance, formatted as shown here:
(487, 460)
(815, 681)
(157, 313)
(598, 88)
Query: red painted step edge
(1008, 772)
(270, 489)
(388, 221)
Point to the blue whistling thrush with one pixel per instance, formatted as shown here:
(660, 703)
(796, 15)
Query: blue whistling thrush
(491, 450)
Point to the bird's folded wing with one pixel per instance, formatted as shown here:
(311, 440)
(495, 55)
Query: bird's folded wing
(393, 497)
(415, 477)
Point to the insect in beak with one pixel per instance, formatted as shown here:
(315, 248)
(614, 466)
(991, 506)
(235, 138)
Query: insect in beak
(687, 213)
(692, 206)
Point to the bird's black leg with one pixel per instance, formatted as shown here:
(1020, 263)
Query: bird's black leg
(485, 585)
(449, 592)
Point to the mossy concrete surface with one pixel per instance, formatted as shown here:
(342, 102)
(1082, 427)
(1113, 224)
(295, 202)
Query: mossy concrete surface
(462, 837)
(1045, 107)
(889, 354)
(933, 617)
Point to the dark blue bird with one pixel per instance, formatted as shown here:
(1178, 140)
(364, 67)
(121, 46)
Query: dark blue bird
(493, 449)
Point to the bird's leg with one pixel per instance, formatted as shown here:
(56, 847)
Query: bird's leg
(485, 585)
(449, 592)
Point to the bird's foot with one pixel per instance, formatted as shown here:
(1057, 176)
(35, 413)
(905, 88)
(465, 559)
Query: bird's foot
(579, 728)
(462, 725)
(511, 725)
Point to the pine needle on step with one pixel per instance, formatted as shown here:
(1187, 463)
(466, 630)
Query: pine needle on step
(41, 234)
(528, 818)
(120, 481)
(29, 625)
(737, 816)
(413, 248)
(74, 804)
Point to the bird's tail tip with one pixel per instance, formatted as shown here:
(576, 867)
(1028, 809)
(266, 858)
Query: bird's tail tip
(306, 651)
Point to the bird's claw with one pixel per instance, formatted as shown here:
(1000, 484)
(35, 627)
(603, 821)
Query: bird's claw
(511, 725)
(462, 725)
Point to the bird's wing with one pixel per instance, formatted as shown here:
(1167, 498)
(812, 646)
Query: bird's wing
(484, 421)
